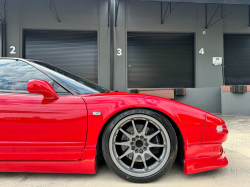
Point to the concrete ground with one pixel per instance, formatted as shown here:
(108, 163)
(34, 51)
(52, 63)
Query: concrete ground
(236, 174)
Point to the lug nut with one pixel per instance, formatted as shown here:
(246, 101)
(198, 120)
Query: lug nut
(133, 147)
(133, 139)
(144, 148)
(146, 144)
(137, 136)
(136, 150)
(132, 143)
(141, 151)
(141, 137)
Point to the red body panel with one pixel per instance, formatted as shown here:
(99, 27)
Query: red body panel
(202, 150)
(38, 86)
(84, 166)
(202, 142)
(210, 133)
(189, 120)
(209, 154)
(35, 129)
(205, 163)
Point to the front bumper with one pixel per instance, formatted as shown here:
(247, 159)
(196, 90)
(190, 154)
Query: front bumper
(209, 154)
(205, 163)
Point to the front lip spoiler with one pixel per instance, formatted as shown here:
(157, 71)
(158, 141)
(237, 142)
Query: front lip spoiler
(197, 165)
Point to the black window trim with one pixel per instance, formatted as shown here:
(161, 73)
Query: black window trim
(15, 91)
(26, 92)
(33, 63)
(53, 78)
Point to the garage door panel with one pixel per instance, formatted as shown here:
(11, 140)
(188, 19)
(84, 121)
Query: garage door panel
(161, 53)
(72, 47)
(73, 51)
(237, 59)
(160, 60)
(148, 66)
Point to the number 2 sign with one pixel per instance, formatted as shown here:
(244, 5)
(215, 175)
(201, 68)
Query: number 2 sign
(13, 48)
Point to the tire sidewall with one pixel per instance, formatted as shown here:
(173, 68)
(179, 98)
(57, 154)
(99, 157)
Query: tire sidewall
(173, 145)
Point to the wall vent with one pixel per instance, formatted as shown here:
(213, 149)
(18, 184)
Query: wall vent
(238, 89)
(134, 91)
(180, 91)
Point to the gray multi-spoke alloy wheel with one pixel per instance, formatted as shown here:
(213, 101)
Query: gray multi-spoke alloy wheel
(139, 145)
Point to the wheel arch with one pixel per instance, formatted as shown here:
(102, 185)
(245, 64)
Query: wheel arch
(180, 152)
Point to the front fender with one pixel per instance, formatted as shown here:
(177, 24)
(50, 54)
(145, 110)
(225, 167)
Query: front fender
(189, 120)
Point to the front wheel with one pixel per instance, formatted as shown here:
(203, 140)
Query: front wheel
(139, 145)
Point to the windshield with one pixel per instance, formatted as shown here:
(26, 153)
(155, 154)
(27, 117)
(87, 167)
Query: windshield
(73, 82)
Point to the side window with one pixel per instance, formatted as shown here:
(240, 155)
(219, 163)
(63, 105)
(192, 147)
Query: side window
(14, 76)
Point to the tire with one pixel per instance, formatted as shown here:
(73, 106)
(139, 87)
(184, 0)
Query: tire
(139, 145)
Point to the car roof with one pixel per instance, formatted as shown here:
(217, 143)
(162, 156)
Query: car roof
(15, 58)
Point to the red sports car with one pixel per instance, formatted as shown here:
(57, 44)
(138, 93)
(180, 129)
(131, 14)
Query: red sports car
(54, 121)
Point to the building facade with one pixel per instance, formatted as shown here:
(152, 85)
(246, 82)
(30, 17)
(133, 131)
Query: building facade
(156, 44)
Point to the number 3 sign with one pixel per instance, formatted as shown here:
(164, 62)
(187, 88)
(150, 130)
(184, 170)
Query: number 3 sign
(119, 52)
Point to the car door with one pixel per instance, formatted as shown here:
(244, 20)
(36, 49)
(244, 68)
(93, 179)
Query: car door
(32, 128)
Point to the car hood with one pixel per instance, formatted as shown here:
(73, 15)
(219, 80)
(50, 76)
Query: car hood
(125, 95)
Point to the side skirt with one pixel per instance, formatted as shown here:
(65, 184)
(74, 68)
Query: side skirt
(84, 166)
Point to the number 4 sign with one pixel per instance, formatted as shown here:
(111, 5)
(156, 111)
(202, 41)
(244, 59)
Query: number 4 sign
(201, 51)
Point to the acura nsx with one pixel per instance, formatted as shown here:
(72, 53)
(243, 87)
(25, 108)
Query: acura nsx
(56, 122)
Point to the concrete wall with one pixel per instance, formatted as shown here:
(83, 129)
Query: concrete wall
(82, 15)
(208, 99)
(186, 18)
(235, 103)
(135, 16)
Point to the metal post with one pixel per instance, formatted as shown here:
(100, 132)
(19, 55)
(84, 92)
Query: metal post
(161, 14)
(4, 33)
(222, 10)
(1, 39)
(117, 3)
(52, 7)
(4, 43)
(112, 9)
(210, 25)
(108, 13)
(213, 16)
(206, 15)
(249, 14)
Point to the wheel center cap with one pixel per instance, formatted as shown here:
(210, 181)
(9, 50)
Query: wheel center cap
(139, 143)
